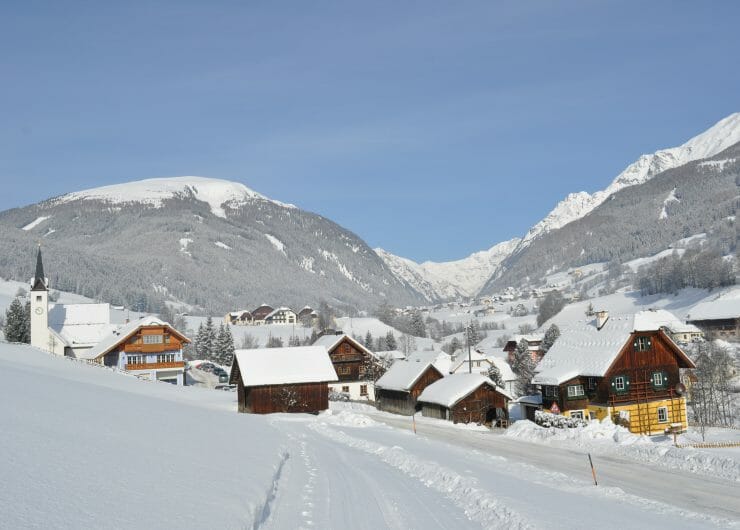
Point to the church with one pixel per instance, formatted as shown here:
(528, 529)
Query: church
(149, 348)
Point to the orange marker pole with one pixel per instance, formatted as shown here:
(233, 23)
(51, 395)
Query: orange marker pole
(593, 471)
(413, 421)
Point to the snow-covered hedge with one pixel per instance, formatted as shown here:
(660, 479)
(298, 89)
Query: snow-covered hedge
(546, 419)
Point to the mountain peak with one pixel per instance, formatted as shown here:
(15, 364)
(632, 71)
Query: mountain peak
(717, 138)
(215, 192)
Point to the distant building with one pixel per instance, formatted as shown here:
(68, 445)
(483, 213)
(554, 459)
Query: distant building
(719, 318)
(281, 315)
(239, 318)
(534, 344)
(282, 379)
(259, 314)
(308, 316)
(667, 321)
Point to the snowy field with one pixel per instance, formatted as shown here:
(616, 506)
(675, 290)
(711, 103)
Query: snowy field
(87, 447)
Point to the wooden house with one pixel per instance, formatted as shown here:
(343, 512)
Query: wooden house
(308, 316)
(534, 344)
(465, 398)
(398, 389)
(622, 367)
(356, 366)
(282, 379)
(148, 348)
(259, 314)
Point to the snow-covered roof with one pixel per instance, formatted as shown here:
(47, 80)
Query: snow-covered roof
(531, 337)
(330, 342)
(283, 366)
(278, 310)
(507, 374)
(80, 325)
(402, 375)
(582, 349)
(451, 389)
(120, 333)
(390, 354)
(660, 318)
(725, 307)
(441, 360)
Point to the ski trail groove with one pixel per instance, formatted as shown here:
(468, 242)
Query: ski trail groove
(263, 515)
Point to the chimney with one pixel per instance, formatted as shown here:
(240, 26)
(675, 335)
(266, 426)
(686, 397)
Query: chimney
(601, 318)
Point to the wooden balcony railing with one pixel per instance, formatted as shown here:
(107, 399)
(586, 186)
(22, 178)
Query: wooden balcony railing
(155, 366)
(152, 348)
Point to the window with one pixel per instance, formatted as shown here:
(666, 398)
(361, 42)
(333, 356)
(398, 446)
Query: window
(577, 414)
(153, 339)
(551, 391)
(166, 358)
(363, 390)
(346, 348)
(136, 359)
(38, 298)
(591, 383)
(662, 414)
(620, 384)
(344, 370)
(642, 344)
(575, 391)
(345, 389)
(659, 380)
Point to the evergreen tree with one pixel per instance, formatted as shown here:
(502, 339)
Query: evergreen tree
(494, 375)
(17, 323)
(368, 340)
(199, 342)
(417, 327)
(550, 306)
(551, 335)
(294, 340)
(524, 367)
(390, 341)
(472, 334)
(223, 349)
(209, 339)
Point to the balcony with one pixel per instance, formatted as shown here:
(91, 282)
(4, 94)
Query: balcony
(155, 366)
(151, 348)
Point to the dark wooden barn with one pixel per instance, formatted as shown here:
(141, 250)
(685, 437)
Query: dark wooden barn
(399, 388)
(465, 398)
(282, 379)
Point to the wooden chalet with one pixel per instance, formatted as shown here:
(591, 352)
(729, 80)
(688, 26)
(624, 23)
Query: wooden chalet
(238, 318)
(466, 398)
(534, 344)
(149, 348)
(282, 379)
(356, 366)
(399, 388)
(622, 367)
(259, 314)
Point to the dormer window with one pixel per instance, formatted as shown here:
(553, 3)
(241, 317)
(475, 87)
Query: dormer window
(642, 343)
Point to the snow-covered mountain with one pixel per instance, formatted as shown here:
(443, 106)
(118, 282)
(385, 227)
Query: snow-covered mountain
(450, 279)
(208, 243)
(717, 138)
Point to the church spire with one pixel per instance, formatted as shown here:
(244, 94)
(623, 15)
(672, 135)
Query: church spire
(39, 279)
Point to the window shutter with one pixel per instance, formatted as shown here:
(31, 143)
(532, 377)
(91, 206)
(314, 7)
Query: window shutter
(626, 383)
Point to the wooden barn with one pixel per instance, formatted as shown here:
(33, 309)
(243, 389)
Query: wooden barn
(624, 367)
(282, 379)
(465, 398)
(401, 385)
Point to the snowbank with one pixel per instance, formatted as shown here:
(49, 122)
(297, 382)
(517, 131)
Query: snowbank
(607, 438)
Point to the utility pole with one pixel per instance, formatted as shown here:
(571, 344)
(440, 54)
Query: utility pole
(470, 359)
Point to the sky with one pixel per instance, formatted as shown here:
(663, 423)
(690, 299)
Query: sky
(431, 129)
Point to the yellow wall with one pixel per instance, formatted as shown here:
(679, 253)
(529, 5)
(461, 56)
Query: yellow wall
(645, 419)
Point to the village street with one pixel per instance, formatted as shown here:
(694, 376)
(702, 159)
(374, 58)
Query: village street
(337, 460)
(700, 493)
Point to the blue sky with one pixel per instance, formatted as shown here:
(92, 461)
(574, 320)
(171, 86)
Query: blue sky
(432, 129)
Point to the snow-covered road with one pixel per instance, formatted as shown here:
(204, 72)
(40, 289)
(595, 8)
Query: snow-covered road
(700, 493)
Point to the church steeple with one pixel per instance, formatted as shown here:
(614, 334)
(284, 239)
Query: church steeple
(39, 279)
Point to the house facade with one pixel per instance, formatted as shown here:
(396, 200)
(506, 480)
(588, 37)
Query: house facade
(238, 318)
(398, 389)
(355, 365)
(622, 367)
(270, 380)
(719, 318)
(259, 314)
(281, 315)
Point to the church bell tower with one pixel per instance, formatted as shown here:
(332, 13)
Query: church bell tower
(40, 307)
